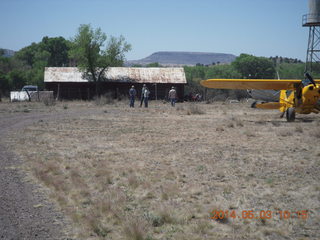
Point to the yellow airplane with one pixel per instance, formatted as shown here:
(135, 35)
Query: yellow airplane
(296, 96)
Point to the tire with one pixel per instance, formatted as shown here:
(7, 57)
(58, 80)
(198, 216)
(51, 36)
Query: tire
(291, 114)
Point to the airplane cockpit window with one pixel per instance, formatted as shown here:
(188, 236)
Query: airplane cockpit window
(306, 82)
(288, 92)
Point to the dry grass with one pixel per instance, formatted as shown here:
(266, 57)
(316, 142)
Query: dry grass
(104, 99)
(157, 173)
(195, 109)
(135, 229)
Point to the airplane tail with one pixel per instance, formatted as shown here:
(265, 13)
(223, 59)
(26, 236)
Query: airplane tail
(281, 105)
(269, 105)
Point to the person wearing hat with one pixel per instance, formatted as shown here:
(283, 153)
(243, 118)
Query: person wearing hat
(142, 94)
(172, 96)
(132, 95)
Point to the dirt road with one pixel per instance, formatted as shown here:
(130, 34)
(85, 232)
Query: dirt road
(24, 211)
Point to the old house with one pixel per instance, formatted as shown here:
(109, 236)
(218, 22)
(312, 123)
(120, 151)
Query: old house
(69, 82)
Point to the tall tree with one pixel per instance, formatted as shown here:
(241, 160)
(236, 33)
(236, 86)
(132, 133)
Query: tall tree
(50, 52)
(90, 55)
(222, 71)
(4, 83)
(58, 48)
(254, 67)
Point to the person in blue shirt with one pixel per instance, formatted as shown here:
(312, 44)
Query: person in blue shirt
(132, 95)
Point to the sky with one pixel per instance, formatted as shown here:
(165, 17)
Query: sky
(258, 27)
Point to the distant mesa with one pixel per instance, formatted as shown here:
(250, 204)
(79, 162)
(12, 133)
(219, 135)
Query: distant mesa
(172, 58)
(183, 58)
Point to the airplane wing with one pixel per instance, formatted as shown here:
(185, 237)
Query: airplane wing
(271, 84)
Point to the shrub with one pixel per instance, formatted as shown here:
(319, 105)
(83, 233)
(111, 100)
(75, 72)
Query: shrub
(107, 98)
(195, 110)
(135, 229)
(49, 101)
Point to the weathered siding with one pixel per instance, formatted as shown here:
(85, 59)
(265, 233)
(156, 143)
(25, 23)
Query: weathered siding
(68, 83)
(119, 74)
(86, 91)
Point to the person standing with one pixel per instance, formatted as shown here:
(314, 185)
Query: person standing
(146, 93)
(142, 93)
(132, 95)
(172, 96)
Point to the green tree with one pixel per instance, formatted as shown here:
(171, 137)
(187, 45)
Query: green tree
(254, 67)
(195, 72)
(155, 64)
(291, 70)
(32, 60)
(4, 84)
(17, 79)
(58, 49)
(222, 71)
(27, 54)
(92, 59)
(137, 65)
(50, 52)
(6, 66)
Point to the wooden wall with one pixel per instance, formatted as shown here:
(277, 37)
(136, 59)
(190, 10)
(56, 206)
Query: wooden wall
(86, 91)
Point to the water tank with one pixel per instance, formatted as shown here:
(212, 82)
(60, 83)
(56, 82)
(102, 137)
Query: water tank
(313, 17)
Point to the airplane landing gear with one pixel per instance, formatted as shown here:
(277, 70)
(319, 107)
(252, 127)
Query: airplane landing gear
(253, 105)
(282, 114)
(291, 114)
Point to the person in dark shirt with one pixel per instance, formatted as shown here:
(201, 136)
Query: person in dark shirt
(132, 95)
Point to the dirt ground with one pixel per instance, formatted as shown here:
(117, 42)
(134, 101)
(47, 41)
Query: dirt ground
(163, 173)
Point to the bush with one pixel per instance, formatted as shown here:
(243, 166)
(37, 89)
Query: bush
(49, 101)
(194, 110)
(107, 98)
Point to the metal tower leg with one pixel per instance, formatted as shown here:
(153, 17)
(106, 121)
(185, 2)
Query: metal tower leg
(313, 51)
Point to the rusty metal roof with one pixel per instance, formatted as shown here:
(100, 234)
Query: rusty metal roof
(119, 74)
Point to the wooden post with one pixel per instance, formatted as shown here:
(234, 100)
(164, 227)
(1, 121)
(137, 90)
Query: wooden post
(28, 95)
(117, 94)
(156, 91)
(58, 92)
(205, 94)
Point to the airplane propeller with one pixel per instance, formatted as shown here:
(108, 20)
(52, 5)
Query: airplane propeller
(310, 79)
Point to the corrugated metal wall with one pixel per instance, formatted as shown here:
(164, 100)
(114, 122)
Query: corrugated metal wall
(119, 74)
(68, 83)
(86, 90)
